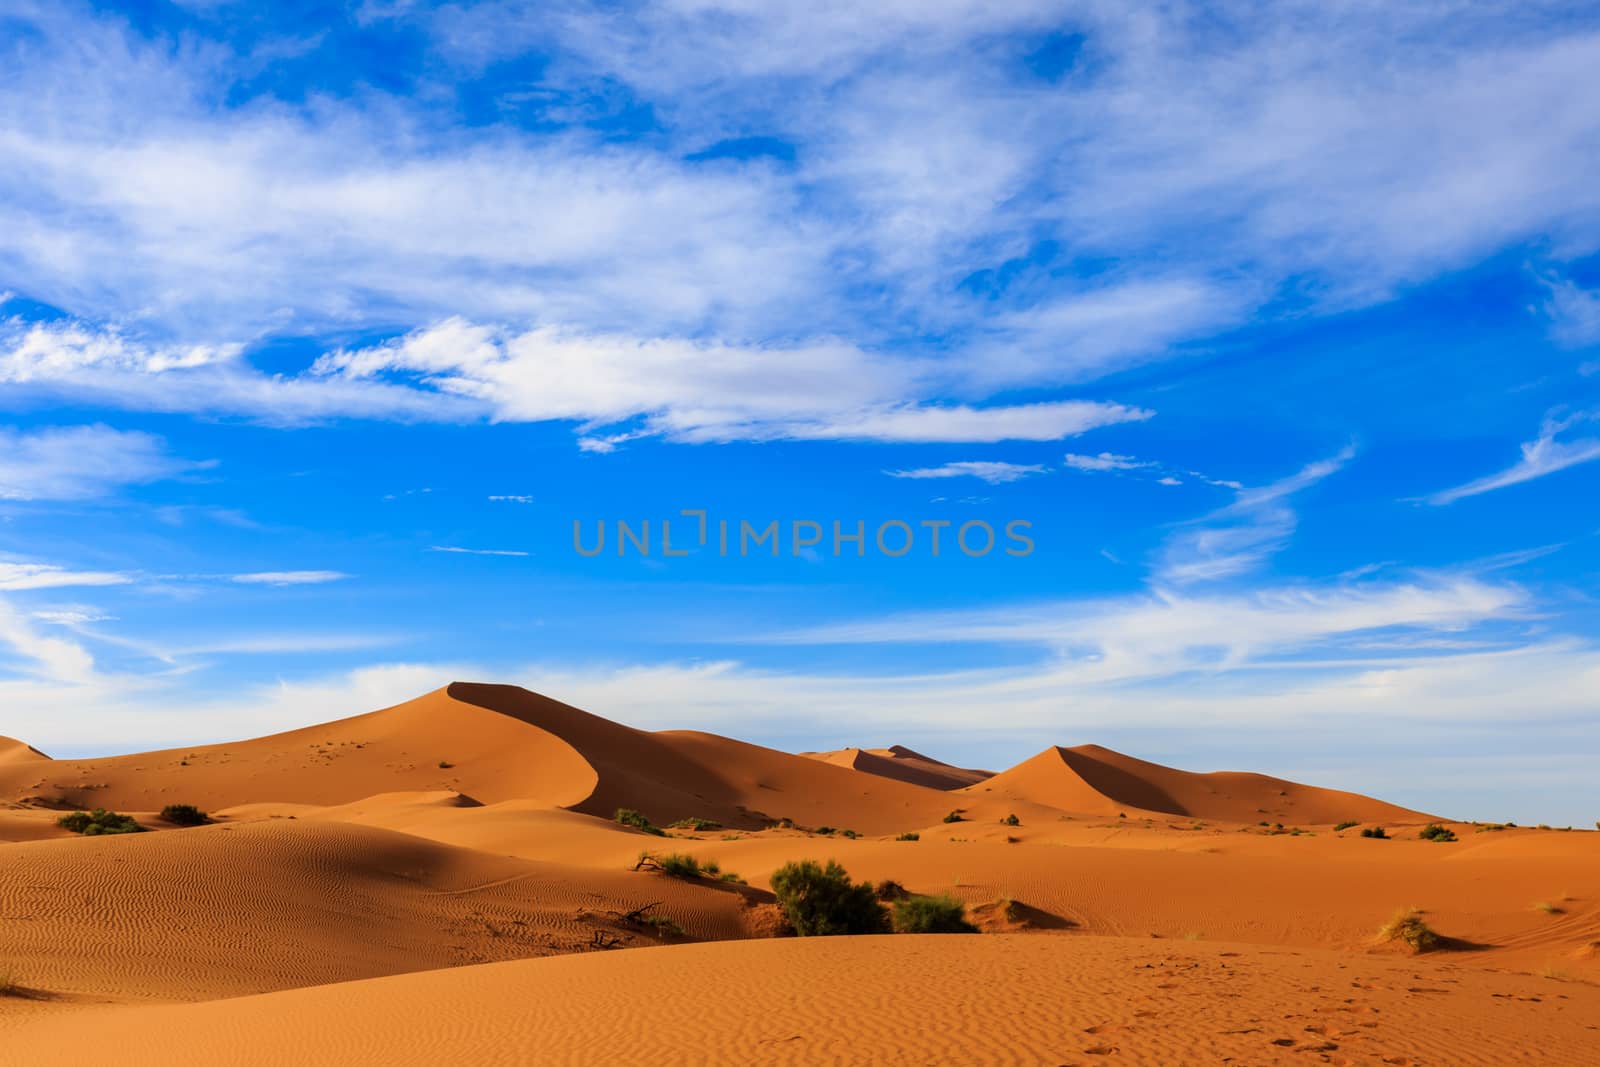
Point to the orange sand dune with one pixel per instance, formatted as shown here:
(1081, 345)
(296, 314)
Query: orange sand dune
(491, 743)
(902, 764)
(230, 909)
(883, 1000)
(474, 825)
(1089, 778)
(14, 751)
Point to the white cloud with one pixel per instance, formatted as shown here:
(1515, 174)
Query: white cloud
(1540, 457)
(53, 658)
(1574, 313)
(1217, 162)
(80, 462)
(1239, 537)
(1105, 461)
(18, 576)
(1161, 635)
(512, 498)
(699, 392)
(477, 551)
(992, 471)
(288, 577)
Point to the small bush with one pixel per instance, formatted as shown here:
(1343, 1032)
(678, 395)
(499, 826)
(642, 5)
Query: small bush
(1375, 831)
(931, 915)
(1407, 926)
(629, 817)
(184, 815)
(825, 831)
(851, 834)
(445, 765)
(1434, 832)
(98, 822)
(679, 865)
(1549, 908)
(1344, 825)
(1011, 820)
(695, 823)
(665, 926)
(909, 835)
(822, 901)
(955, 816)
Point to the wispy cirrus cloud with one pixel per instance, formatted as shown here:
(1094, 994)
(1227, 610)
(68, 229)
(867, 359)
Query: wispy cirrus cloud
(1547, 454)
(459, 551)
(994, 472)
(284, 578)
(19, 575)
(81, 462)
(1236, 539)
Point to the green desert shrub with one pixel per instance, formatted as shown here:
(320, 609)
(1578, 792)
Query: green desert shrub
(909, 835)
(955, 816)
(695, 823)
(822, 901)
(1011, 820)
(1375, 831)
(98, 822)
(629, 817)
(665, 926)
(1345, 825)
(184, 815)
(931, 915)
(1434, 832)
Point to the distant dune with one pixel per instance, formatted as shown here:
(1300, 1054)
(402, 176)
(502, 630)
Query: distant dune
(903, 765)
(1164, 915)
(1089, 778)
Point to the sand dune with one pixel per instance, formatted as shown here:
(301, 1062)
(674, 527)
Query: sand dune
(474, 825)
(14, 751)
(999, 999)
(1089, 778)
(231, 909)
(904, 765)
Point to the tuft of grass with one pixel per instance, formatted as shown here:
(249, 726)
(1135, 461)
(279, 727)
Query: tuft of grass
(931, 915)
(1407, 926)
(1434, 832)
(99, 821)
(695, 823)
(445, 765)
(1345, 825)
(9, 987)
(629, 817)
(1549, 908)
(682, 865)
(955, 816)
(1193, 935)
(909, 835)
(1490, 827)
(1376, 832)
(1011, 820)
(665, 925)
(184, 815)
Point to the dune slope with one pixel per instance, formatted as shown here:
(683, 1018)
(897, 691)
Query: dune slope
(1001, 999)
(1096, 780)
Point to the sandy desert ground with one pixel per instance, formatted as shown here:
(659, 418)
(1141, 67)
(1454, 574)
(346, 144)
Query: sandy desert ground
(445, 882)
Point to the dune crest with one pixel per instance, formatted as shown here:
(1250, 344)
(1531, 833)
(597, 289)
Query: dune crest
(1096, 780)
(903, 765)
(14, 751)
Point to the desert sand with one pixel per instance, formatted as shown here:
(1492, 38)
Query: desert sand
(444, 881)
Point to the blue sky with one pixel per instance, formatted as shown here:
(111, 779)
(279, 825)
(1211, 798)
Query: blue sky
(323, 324)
